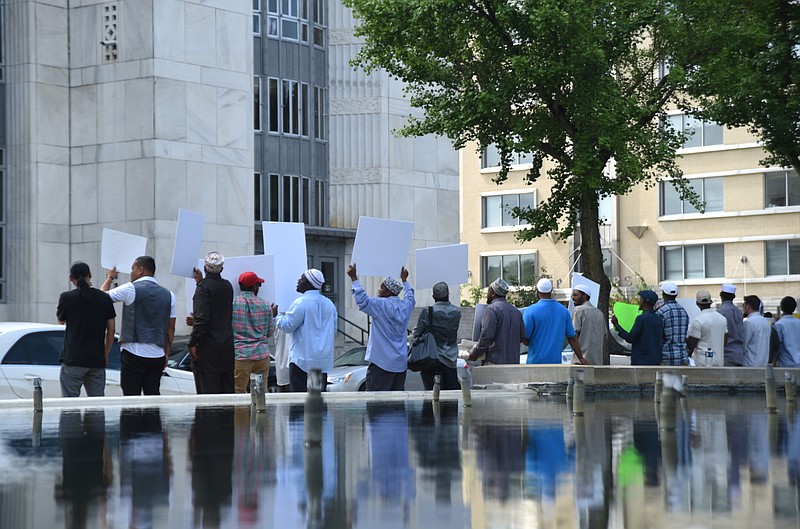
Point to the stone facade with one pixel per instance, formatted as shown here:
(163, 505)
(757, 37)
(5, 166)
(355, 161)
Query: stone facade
(119, 113)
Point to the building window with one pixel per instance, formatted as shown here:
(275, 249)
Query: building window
(498, 209)
(2, 225)
(781, 188)
(320, 121)
(516, 269)
(699, 133)
(320, 203)
(257, 195)
(257, 102)
(284, 198)
(709, 189)
(274, 105)
(319, 22)
(693, 262)
(490, 157)
(256, 17)
(783, 257)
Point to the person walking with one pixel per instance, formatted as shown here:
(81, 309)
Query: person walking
(443, 324)
(211, 342)
(502, 329)
(387, 347)
(148, 326)
(89, 316)
(253, 324)
(312, 320)
(756, 333)
(647, 332)
(676, 325)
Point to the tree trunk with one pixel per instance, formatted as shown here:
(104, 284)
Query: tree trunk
(592, 254)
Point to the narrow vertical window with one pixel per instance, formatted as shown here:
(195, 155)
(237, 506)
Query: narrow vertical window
(274, 106)
(257, 102)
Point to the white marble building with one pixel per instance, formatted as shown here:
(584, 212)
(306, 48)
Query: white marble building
(373, 172)
(117, 114)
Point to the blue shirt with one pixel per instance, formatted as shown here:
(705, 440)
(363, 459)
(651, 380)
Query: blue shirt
(788, 328)
(387, 347)
(645, 338)
(547, 323)
(311, 320)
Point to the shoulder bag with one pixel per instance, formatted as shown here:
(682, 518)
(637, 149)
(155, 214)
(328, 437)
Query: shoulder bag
(424, 353)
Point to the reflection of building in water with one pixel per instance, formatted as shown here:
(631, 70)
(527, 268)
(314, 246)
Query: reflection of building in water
(86, 468)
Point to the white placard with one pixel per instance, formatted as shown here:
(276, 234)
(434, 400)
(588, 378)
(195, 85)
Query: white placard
(119, 249)
(690, 305)
(286, 241)
(480, 308)
(594, 288)
(191, 286)
(262, 265)
(440, 263)
(381, 246)
(188, 237)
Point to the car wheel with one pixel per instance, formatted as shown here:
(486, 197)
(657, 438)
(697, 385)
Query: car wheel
(362, 387)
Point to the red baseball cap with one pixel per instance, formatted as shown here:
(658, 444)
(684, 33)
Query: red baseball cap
(249, 279)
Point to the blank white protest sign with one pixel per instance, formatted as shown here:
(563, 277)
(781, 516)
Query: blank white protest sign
(381, 246)
(188, 237)
(262, 265)
(440, 263)
(286, 241)
(119, 249)
(593, 288)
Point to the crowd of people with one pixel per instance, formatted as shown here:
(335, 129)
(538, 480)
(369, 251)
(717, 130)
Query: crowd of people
(230, 334)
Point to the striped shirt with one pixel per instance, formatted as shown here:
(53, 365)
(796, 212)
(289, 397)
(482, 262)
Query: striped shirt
(676, 324)
(253, 324)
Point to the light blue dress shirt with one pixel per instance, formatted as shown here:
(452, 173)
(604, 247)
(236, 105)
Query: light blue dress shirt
(387, 347)
(788, 328)
(311, 320)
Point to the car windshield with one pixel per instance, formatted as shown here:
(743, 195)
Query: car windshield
(353, 357)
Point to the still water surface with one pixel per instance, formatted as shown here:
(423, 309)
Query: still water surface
(507, 462)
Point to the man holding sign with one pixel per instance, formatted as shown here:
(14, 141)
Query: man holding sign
(387, 348)
(647, 332)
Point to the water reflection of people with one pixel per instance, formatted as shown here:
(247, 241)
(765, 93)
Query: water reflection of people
(645, 440)
(500, 451)
(250, 457)
(545, 457)
(144, 463)
(211, 453)
(86, 467)
(435, 437)
(387, 437)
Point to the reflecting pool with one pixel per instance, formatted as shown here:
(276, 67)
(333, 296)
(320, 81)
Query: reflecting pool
(509, 461)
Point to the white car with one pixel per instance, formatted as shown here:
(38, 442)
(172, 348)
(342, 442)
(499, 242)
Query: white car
(29, 350)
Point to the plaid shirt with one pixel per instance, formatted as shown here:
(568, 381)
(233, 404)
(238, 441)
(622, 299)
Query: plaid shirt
(253, 324)
(676, 325)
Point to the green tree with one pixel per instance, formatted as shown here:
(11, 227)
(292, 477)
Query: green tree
(575, 82)
(753, 78)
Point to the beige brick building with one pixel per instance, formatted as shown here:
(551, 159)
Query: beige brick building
(749, 234)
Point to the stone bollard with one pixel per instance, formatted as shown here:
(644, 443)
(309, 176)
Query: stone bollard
(38, 404)
(465, 379)
(769, 387)
(668, 402)
(258, 389)
(253, 389)
(312, 434)
(659, 386)
(570, 388)
(790, 387)
(579, 394)
(684, 386)
(437, 387)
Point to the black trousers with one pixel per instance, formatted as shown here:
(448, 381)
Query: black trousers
(381, 380)
(140, 375)
(208, 382)
(298, 379)
(449, 377)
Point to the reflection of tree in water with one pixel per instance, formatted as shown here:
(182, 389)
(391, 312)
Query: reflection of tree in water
(144, 463)
(211, 453)
(86, 467)
(434, 431)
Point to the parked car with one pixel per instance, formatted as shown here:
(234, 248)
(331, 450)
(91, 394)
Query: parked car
(180, 363)
(350, 373)
(29, 350)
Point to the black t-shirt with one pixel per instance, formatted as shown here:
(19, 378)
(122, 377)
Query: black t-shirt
(84, 341)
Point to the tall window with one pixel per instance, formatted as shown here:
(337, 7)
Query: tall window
(272, 19)
(783, 257)
(257, 102)
(319, 22)
(258, 195)
(288, 108)
(321, 203)
(693, 262)
(709, 189)
(516, 269)
(781, 188)
(498, 209)
(491, 157)
(319, 113)
(256, 17)
(286, 198)
(274, 105)
(699, 133)
(2, 225)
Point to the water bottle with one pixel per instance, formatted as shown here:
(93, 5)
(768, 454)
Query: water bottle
(465, 379)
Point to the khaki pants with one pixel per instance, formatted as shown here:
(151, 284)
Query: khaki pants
(243, 369)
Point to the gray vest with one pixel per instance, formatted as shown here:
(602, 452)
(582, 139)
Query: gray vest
(146, 319)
